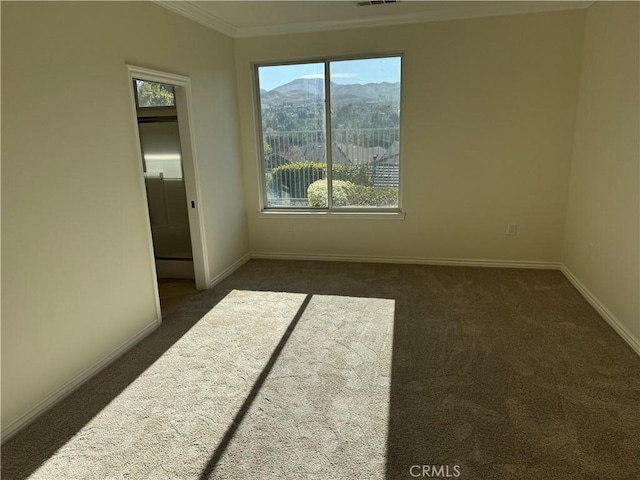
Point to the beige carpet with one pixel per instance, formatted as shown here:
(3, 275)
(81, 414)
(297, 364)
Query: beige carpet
(330, 371)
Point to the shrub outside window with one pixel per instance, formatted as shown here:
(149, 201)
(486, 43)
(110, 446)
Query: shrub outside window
(330, 134)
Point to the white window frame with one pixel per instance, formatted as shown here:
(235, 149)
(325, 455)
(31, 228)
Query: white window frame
(265, 211)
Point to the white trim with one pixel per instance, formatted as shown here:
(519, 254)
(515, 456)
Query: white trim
(190, 10)
(332, 214)
(193, 191)
(350, 212)
(66, 389)
(199, 15)
(604, 312)
(258, 135)
(229, 270)
(460, 262)
(184, 104)
(493, 10)
(143, 188)
(143, 73)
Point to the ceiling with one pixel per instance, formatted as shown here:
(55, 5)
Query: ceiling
(250, 18)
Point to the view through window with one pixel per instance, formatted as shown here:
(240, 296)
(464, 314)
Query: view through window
(152, 94)
(341, 136)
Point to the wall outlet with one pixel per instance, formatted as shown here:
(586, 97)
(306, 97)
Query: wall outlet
(512, 229)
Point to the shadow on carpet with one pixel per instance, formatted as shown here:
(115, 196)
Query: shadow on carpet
(334, 370)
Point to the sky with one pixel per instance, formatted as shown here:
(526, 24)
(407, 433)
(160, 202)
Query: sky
(370, 70)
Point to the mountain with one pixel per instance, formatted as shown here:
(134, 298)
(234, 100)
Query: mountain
(299, 106)
(311, 90)
(302, 91)
(314, 86)
(371, 91)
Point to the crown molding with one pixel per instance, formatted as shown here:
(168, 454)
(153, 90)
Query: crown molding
(197, 14)
(190, 10)
(500, 9)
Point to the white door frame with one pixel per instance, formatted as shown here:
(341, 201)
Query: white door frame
(183, 98)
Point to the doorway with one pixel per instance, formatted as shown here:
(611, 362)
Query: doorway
(169, 173)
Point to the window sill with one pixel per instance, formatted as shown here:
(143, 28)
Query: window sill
(332, 215)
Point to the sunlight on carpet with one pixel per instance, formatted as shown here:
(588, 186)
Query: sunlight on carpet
(314, 400)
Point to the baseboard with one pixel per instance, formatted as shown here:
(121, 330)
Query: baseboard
(461, 262)
(229, 270)
(604, 312)
(66, 389)
(76, 382)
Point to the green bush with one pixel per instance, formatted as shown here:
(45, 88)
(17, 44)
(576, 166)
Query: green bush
(347, 194)
(358, 174)
(295, 178)
(317, 193)
(269, 182)
(362, 196)
(352, 184)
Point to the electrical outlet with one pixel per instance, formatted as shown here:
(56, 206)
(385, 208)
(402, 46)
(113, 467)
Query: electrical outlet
(289, 227)
(512, 229)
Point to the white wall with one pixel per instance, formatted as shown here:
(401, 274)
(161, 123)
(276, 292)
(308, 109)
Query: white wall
(76, 273)
(488, 118)
(601, 241)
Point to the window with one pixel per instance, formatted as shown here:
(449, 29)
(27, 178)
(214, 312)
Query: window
(152, 94)
(331, 144)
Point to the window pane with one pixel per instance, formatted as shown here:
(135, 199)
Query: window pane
(151, 94)
(365, 132)
(293, 134)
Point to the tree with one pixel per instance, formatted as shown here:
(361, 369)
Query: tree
(151, 94)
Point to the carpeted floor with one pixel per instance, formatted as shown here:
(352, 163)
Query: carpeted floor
(296, 370)
(174, 292)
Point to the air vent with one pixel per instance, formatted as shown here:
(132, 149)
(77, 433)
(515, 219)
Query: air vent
(376, 2)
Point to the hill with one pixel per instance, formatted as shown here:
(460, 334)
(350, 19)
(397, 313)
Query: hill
(299, 106)
(310, 91)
